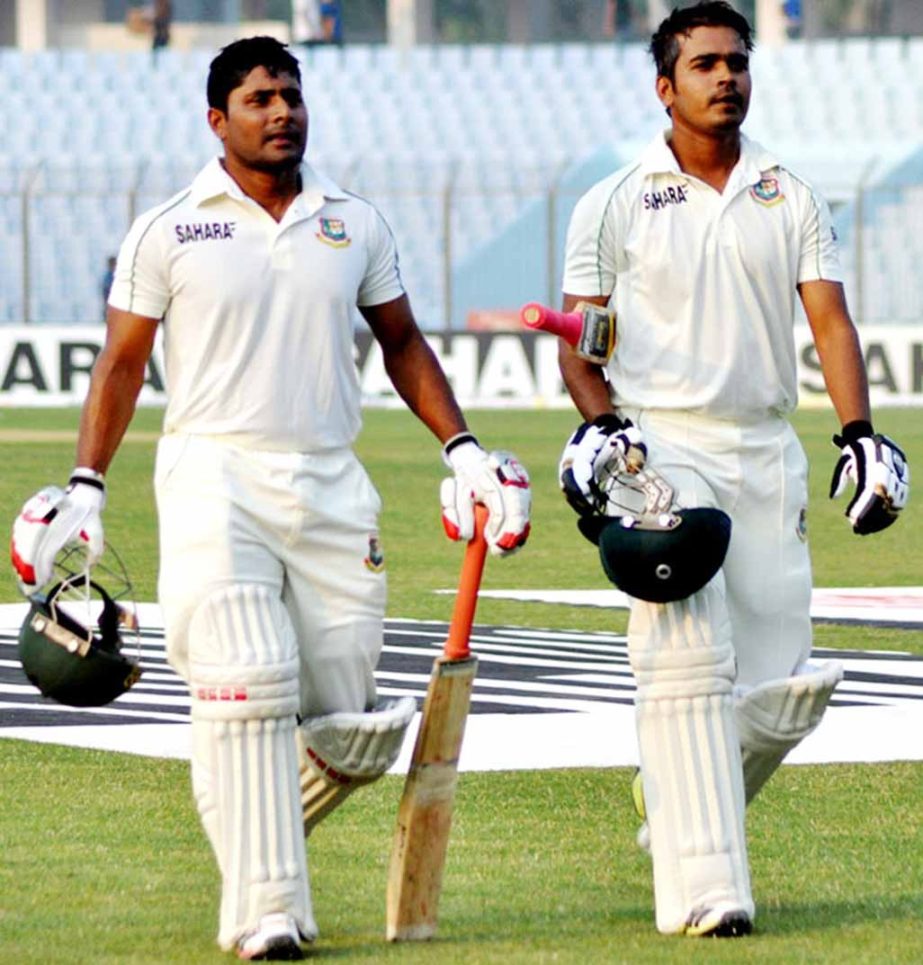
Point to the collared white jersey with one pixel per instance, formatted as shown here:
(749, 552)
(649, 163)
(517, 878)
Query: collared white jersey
(703, 284)
(258, 315)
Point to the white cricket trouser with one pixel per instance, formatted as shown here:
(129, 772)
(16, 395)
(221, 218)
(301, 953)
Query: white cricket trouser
(303, 525)
(757, 473)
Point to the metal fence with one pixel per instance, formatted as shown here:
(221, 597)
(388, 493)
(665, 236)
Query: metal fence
(471, 251)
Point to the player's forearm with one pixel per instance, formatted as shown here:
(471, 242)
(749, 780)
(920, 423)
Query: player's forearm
(419, 380)
(838, 349)
(109, 407)
(586, 384)
(844, 373)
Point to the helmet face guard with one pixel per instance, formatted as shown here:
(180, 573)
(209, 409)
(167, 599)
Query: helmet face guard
(663, 553)
(68, 658)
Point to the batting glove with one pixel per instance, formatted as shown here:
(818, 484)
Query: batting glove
(608, 445)
(54, 518)
(879, 468)
(497, 480)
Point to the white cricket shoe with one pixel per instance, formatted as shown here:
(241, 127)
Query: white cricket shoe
(724, 920)
(275, 939)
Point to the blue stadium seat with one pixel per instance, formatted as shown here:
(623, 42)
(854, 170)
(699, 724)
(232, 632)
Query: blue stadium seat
(482, 58)
(544, 58)
(451, 59)
(857, 53)
(825, 59)
(513, 59)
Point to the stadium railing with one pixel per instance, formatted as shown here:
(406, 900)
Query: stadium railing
(456, 145)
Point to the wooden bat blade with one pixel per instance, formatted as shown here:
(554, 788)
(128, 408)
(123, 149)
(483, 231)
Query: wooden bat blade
(421, 837)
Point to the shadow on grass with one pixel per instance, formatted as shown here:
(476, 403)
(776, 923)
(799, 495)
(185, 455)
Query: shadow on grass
(805, 917)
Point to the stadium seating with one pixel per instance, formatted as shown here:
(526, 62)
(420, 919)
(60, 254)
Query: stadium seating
(453, 143)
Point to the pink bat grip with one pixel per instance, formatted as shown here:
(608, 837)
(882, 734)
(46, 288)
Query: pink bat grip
(567, 325)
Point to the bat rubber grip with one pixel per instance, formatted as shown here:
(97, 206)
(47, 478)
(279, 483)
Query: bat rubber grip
(566, 325)
(457, 646)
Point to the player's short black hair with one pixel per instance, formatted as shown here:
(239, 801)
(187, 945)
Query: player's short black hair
(664, 46)
(234, 62)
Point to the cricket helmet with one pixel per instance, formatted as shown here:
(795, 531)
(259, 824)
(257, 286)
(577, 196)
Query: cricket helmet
(70, 644)
(662, 553)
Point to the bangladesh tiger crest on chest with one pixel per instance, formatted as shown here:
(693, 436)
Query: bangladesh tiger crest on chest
(333, 232)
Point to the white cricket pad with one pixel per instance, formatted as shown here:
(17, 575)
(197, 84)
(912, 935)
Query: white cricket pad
(244, 683)
(776, 716)
(690, 758)
(342, 751)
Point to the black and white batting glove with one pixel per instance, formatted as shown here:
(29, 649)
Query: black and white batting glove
(608, 445)
(880, 471)
(496, 479)
(54, 518)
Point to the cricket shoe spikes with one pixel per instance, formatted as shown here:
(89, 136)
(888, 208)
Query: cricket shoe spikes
(275, 939)
(722, 921)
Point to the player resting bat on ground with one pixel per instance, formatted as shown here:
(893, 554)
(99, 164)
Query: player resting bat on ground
(272, 578)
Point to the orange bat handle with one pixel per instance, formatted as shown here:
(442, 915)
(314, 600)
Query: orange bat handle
(457, 646)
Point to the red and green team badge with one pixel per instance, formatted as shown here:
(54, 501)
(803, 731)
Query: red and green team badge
(767, 191)
(375, 561)
(333, 232)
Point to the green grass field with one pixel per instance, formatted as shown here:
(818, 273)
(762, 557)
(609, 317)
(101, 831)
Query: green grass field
(103, 860)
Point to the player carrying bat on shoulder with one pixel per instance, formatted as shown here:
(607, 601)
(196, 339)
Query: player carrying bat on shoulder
(700, 247)
(272, 577)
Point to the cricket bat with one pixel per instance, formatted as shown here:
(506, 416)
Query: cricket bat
(421, 836)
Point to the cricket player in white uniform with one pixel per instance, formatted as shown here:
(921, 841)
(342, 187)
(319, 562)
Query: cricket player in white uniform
(700, 247)
(272, 576)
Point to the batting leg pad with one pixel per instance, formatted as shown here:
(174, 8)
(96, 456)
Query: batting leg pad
(776, 716)
(244, 683)
(690, 758)
(342, 751)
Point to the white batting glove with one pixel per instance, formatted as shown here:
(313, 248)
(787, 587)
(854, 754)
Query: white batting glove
(608, 445)
(880, 471)
(497, 480)
(54, 518)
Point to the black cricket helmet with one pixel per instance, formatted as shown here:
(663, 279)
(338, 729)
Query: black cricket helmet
(70, 644)
(662, 553)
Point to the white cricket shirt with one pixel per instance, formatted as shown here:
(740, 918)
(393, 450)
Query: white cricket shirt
(258, 314)
(703, 284)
